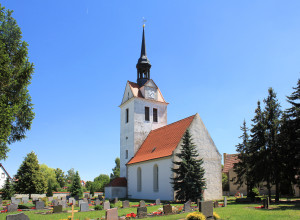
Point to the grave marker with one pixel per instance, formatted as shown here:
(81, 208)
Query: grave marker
(157, 201)
(19, 216)
(187, 206)
(57, 209)
(84, 207)
(142, 203)
(141, 212)
(225, 201)
(39, 205)
(97, 202)
(12, 208)
(206, 207)
(125, 204)
(106, 205)
(167, 209)
(111, 214)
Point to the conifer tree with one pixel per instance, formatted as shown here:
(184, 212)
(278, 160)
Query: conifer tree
(8, 189)
(76, 188)
(290, 137)
(243, 167)
(188, 182)
(116, 169)
(29, 177)
(92, 189)
(272, 152)
(49, 190)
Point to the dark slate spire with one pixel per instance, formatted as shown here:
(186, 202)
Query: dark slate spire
(143, 66)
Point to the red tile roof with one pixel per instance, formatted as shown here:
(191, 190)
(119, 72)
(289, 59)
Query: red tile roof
(119, 181)
(230, 160)
(162, 142)
(135, 88)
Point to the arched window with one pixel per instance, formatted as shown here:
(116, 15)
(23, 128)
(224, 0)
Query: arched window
(139, 179)
(155, 178)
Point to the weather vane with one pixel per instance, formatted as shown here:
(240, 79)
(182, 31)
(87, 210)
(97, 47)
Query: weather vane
(144, 21)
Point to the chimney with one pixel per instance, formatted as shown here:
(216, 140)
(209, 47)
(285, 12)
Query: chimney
(224, 157)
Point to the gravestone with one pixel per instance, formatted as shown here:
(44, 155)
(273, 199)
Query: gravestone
(12, 208)
(63, 203)
(242, 195)
(57, 208)
(19, 216)
(111, 214)
(72, 200)
(79, 202)
(97, 202)
(85, 200)
(187, 206)
(225, 201)
(157, 201)
(125, 204)
(142, 203)
(216, 204)
(14, 200)
(206, 207)
(167, 209)
(84, 207)
(39, 205)
(141, 212)
(106, 205)
(25, 199)
(266, 203)
(89, 201)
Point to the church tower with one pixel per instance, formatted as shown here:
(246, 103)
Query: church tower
(143, 109)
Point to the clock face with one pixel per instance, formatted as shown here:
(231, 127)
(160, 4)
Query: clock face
(151, 94)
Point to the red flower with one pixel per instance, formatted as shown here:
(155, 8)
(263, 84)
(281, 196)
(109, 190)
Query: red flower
(19, 210)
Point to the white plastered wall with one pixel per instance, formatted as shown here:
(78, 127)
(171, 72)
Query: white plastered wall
(115, 192)
(211, 158)
(165, 190)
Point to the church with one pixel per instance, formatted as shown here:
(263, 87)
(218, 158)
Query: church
(148, 145)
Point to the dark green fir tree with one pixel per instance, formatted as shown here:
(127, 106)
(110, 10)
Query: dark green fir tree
(243, 167)
(8, 189)
(49, 190)
(92, 189)
(188, 182)
(116, 169)
(76, 188)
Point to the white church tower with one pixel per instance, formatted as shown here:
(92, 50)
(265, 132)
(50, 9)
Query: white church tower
(143, 109)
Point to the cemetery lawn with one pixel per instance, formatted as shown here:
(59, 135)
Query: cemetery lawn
(232, 211)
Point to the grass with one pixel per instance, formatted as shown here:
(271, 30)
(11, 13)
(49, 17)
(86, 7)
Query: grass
(233, 211)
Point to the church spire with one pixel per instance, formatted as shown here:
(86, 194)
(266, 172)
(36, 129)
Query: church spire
(143, 65)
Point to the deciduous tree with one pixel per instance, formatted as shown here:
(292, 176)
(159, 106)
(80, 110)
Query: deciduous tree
(16, 109)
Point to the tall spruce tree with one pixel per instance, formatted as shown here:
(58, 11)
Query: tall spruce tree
(116, 169)
(29, 177)
(258, 146)
(188, 182)
(290, 137)
(8, 189)
(49, 190)
(76, 188)
(243, 167)
(16, 109)
(272, 153)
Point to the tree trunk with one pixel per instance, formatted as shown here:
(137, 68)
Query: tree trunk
(277, 191)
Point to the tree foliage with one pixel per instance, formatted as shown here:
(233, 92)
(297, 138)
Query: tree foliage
(16, 109)
(76, 188)
(116, 169)
(50, 176)
(29, 176)
(100, 182)
(60, 177)
(8, 189)
(188, 181)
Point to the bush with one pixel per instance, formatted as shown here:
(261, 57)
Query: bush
(195, 216)
(98, 207)
(255, 191)
(216, 216)
(116, 205)
(45, 200)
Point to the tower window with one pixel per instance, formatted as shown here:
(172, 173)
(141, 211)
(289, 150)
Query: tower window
(126, 156)
(155, 114)
(127, 115)
(147, 116)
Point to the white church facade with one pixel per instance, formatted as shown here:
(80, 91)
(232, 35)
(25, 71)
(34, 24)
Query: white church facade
(148, 144)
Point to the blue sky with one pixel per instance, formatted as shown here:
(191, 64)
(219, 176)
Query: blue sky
(216, 58)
